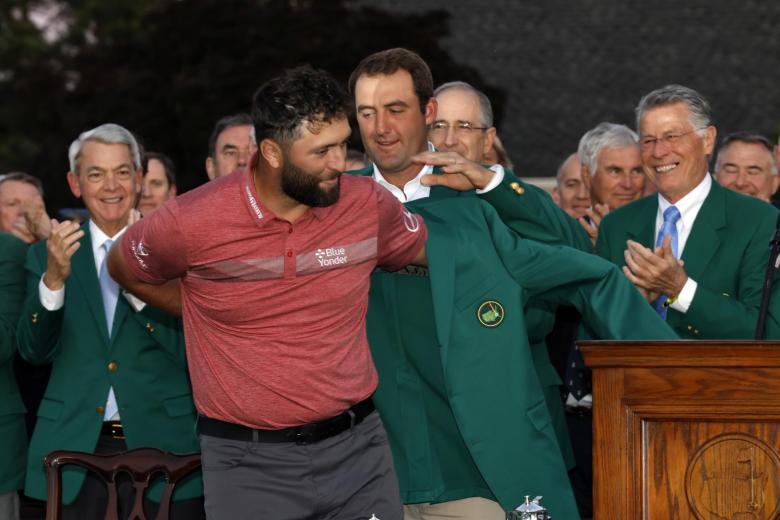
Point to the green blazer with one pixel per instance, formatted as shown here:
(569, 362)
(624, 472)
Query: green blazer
(491, 382)
(726, 254)
(531, 213)
(13, 449)
(150, 377)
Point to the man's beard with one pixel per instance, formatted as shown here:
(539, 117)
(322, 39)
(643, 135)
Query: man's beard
(304, 187)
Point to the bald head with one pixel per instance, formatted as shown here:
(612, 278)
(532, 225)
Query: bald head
(464, 121)
(572, 192)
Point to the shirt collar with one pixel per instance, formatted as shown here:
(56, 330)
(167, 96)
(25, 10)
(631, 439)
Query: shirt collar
(691, 201)
(99, 237)
(258, 210)
(413, 184)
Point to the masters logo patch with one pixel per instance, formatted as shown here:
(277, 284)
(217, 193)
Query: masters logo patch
(490, 313)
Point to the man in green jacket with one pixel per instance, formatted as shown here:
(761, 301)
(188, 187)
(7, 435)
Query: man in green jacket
(459, 392)
(119, 375)
(697, 250)
(12, 428)
(464, 124)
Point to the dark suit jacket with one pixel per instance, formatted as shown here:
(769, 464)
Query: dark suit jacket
(149, 374)
(726, 254)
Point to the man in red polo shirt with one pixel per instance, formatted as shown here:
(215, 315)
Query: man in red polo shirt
(270, 269)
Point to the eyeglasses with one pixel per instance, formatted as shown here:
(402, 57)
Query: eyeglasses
(461, 128)
(670, 139)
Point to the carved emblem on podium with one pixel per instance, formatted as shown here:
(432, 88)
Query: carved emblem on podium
(734, 477)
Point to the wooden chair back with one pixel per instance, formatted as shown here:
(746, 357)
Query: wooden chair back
(142, 465)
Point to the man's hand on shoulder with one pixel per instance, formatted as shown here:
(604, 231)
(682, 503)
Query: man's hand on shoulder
(459, 173)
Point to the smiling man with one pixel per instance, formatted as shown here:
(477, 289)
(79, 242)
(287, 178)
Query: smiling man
(612, 170)
(119, 375)
(745, 165)
(612, 163)
(463, 394)
(464, 121)
(696, 249)
(22, 212)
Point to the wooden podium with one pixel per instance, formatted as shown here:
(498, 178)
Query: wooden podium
(685, 429)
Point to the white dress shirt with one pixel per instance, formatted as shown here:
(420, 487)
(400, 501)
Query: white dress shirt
(689, 207)
(414, 190)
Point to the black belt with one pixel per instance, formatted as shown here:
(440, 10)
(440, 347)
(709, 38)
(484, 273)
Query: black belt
(304, 434)
(113, 429)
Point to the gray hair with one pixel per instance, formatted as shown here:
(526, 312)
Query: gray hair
(108, 133)
(698, 106)
(747, 138)
(226, 122)
(485, 108)
(604, 135)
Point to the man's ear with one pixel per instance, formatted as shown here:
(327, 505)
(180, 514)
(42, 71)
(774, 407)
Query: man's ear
(430, 111)
(775, 184)
(73, 183)
(271, 152)
(211, 168)
(556, 196)
(490, 137)
(139, 181)
(586, 180)
(710, 134)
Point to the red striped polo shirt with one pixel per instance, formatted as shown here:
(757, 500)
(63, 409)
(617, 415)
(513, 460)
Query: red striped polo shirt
(274, 312)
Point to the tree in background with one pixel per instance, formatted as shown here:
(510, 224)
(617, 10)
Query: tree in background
(169, 69)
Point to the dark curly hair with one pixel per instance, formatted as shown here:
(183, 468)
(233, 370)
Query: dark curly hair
(302, 95)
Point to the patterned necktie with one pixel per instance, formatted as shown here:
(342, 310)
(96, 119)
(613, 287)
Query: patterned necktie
(668, 228)
(109, 290)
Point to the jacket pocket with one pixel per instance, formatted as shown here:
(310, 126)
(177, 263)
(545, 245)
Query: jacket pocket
(179, 405)
(50, 409)
(539, 416)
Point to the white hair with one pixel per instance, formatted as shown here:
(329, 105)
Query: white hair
(108, 133)
(604, 135)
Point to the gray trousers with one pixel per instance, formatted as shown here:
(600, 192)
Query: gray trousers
(9, 505)
(346, 477)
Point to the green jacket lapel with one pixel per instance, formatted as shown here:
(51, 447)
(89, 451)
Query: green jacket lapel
(644, 233)
(120, 314)
(441, 261)
(368, 171)
(704, 238)
(83, 273)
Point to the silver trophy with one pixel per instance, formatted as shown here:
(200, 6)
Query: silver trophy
(530, 510)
